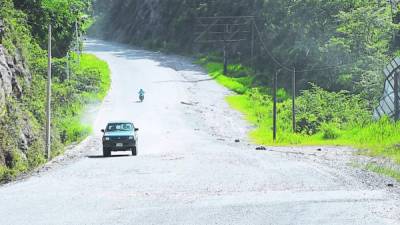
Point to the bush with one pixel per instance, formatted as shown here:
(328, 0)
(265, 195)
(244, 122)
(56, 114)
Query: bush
(330, 131)
(282, 95)
(317, 106)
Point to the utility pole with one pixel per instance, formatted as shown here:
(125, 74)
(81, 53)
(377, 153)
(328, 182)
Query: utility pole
(275, 105)
(225, 59)
(252, 44)
(394, 11)
(294, 100)
(67, 65)
(48, 105)
(225, 30)
(77, 40)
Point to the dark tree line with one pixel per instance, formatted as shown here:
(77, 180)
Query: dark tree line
(338, 44)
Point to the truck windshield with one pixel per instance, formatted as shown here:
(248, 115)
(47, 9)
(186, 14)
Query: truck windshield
(119, 127)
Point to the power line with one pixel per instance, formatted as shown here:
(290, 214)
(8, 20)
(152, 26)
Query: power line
(291, 69)
(268, 52)
(225, 30)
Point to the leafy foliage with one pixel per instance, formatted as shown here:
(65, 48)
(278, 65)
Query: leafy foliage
(88, 81)
(337, 44)
(316, 107)
(323, 118)
(61, 14)
(337, 47)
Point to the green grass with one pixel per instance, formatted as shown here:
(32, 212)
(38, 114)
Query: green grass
(92, 81)
(375, 138)
(381, 138)
(238, 85)
(90, 64)
(384, 171)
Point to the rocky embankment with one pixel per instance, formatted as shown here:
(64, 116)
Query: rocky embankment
(16, 131)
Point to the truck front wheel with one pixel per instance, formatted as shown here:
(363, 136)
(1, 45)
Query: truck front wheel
(106, 152)
(134, 151)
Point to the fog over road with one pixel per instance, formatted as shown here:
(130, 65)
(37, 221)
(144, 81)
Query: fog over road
(189, 169)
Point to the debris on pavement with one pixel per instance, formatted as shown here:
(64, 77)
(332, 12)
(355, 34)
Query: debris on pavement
(189, 103)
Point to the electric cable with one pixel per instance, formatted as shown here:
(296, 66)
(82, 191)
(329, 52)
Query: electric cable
(291, 69)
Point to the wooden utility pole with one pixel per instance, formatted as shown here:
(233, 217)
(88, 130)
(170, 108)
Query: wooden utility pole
(275, 105)
(225, 30)
(252, 44)
(294, 100)
(77, 40)
(225, 59)
(396, 96)
(48, 105)
(67, 70)
(394, 12)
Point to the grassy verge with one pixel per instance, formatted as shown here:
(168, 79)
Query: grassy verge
(324, 118)
(238, 84)
(379, 138)
(89, 83)
(384, 171)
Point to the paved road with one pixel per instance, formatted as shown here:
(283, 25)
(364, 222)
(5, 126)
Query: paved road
(189, 169)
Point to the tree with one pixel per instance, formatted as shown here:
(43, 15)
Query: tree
(62, 14)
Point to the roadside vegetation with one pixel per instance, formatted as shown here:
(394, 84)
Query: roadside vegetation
(323, 118)
(77, 81)
(338, 48)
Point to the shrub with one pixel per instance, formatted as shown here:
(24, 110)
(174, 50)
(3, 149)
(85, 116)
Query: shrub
(282, 95)
(317, 106)
(330, 131)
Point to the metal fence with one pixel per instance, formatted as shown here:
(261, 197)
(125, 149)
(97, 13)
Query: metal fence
(389, 103)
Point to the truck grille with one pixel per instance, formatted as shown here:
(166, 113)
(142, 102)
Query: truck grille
(119, 138)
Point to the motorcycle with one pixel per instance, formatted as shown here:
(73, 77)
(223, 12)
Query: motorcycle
(141, 97)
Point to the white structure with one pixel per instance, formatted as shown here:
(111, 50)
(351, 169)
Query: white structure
(386, 105)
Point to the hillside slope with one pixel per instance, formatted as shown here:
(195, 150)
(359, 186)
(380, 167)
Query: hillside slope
(23, 72)
(20, 134)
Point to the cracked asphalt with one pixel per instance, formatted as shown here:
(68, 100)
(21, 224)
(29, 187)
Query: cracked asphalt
(189, 169)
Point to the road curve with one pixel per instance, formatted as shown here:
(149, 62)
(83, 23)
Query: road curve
(189, 170)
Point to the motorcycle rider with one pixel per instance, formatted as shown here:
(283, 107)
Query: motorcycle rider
(141, 94)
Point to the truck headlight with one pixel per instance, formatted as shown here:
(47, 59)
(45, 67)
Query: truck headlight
(106, 138)
(131, 137)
